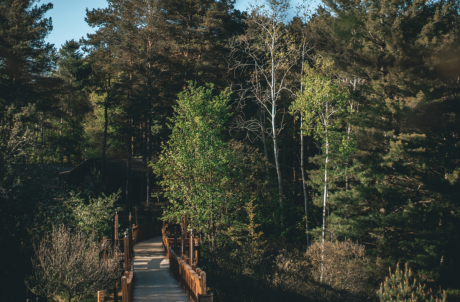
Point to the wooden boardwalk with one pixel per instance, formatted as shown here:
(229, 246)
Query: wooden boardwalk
(153, 280)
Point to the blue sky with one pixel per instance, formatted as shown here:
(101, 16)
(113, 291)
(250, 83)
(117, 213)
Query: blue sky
(69, 18)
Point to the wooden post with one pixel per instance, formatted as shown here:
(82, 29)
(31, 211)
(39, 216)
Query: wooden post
(126, 247)
(135, 213)
(203, 282)
(116, 226)
(131, 247)
(124, 288)
(197, 252)
(191, 247)
(130, 219)
(100, 296)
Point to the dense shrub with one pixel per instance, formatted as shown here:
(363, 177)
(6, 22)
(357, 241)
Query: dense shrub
(341, 269)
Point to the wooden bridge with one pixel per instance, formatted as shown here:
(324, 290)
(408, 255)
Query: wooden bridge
(158, 265)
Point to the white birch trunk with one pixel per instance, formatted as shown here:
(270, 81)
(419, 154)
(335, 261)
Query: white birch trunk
(273, 120)
(302, 166)
(325, 197)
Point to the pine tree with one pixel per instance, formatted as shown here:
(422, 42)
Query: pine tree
(73, 105)
(101, 46)
(399, 193)
(26, 59)
(199, 31)
(26, 87)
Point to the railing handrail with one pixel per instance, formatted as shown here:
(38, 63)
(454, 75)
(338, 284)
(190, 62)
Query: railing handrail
(191, 278)
(127, 283)
(135, 235)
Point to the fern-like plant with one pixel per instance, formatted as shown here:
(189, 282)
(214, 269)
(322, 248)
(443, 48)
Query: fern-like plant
(407, 287)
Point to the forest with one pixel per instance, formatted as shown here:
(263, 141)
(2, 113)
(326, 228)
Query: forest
(318, 155)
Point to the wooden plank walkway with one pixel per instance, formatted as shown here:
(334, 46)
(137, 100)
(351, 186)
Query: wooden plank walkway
(153, 280)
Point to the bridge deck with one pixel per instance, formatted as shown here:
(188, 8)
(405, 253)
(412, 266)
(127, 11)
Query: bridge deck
(153, 280)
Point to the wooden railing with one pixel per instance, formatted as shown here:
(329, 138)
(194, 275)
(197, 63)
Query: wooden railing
(185, 267)
(125, 251)
(127, 287)
(191, 279)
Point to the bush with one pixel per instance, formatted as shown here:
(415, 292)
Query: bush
(340, 268)
(67, 266)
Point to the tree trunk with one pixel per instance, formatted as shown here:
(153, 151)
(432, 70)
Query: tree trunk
(294, 176)
(267, 164)
(324, 200)
(42, 137)
(278, 172)
(149, 158)
(104, 139)
(302, 166)
(275, 136)
(325, 180)
(302, 169)
(142, 127)
(128, 165)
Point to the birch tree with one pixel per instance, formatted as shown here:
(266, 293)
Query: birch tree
(202, 173)
(268, 53)
(194, 163)
(322, 102)
(306, 47)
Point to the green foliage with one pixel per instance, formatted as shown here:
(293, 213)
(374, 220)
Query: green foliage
(194, 162)
(201, 173)
(34, 198)
(94, 215)
(16, 137)
(323, 103)
(93, 124)
(248, 240)
(408, 287)
(322, 100)
(25, 66)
